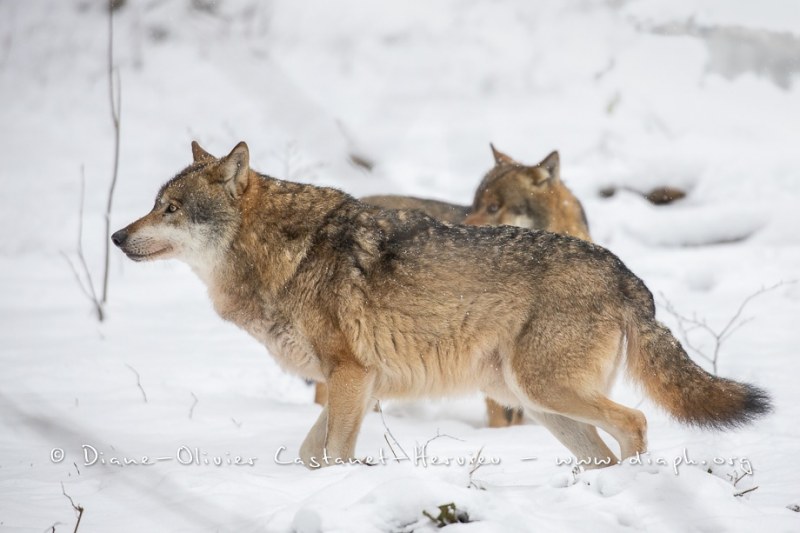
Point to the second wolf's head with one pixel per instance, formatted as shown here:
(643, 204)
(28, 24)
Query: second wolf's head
(528, 196)
(195, 213)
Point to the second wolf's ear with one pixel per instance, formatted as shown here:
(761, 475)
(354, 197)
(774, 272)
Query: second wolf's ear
(500, 158)
(235, 168)
(552, 163)
(200, 155)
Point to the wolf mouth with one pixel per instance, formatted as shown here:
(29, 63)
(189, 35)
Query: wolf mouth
(148, 256)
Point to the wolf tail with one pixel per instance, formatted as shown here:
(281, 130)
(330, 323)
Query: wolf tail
(693, 396)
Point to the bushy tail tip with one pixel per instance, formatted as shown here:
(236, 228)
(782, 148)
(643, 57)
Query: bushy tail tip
(684, 389)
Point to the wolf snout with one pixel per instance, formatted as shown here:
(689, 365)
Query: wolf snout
(119, 237)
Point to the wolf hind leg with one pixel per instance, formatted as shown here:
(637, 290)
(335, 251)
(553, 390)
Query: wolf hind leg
(627, 426)
(580, 438)
(569, 374)
(501, 416)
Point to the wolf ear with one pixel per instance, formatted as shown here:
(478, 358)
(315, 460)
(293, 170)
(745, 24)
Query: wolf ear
(234, 169)
(552, 163)
(200, 155)
(500, 158)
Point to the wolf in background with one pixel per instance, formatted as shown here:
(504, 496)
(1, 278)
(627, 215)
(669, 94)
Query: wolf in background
(528, 196)
(394, 304)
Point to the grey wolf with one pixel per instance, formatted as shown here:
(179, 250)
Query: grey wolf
(512, 193)
(395, 304)
(529, 197)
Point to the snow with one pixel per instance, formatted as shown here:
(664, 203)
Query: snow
(772, 15)
(420, 89)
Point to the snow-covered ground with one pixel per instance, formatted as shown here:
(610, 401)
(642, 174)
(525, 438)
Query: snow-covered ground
(633, 93)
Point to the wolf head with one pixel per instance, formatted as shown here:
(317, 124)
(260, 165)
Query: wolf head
(196, 213)
(515, 194)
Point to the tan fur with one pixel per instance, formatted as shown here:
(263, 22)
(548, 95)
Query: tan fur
(525, 196)
(394, 304)
(444, 211)
(528, 196)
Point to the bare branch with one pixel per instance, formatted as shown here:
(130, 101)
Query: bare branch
(88, 287)
(437, 436)
(684, 331)
(391, 448)
(81, 257)
(138, 382)
(389, 432)
(116, 109)
(746, 301)
(738, 479)
(739, 325)
(742, 493)
(475, 468)
(694, 324)
(78, 509)
(194, 404)
(687, 325)
(75, 273)
(115, 97)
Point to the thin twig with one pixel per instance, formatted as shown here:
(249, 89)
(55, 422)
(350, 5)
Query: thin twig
(391, 448)
(685, 331)
(475, 468)
(389, 431)
(78, 509)
(687, 325)
(745, 302)
(138, 382)
(116, 109)
(77, 276)
(437, 436)
(739, 494)
(98, 305)
(191, 409)
(738, 479)
(87, 287)
(739, 325)
(115, 97)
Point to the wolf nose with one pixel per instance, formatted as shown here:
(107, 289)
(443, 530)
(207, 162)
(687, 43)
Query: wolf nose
(119, 237)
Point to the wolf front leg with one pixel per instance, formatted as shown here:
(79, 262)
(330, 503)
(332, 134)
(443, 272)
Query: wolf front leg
(332, 439)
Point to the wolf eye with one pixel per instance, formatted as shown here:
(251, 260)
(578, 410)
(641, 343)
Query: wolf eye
(492, 209)
(171, 208)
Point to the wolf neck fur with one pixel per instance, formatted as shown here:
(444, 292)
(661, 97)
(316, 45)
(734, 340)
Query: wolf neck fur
(273, 239)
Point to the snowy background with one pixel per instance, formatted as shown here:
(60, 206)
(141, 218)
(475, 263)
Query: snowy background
(700, 95)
